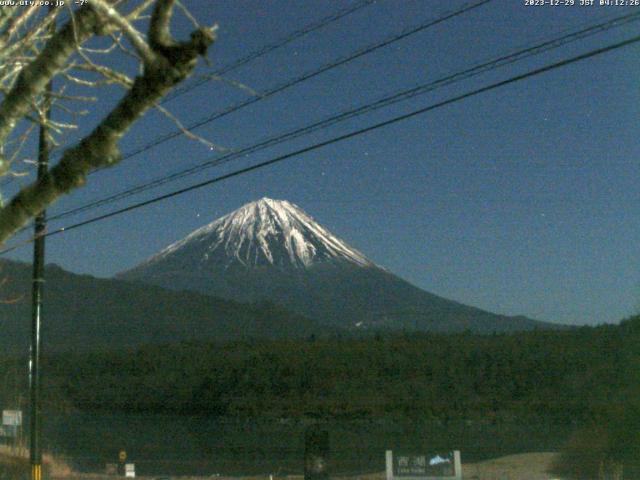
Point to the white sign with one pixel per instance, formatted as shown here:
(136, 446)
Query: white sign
(12, 417)
(130, 470)
(424, 466)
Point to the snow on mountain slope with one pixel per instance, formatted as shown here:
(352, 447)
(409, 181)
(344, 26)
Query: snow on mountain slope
(272, 251)
(264, 232)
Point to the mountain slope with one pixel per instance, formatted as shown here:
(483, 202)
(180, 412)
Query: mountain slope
(271, 250)
(265, 233)
(83, 312)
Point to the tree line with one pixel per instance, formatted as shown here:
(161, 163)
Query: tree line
(567, 376)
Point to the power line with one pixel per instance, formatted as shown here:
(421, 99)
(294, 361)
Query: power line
(271, 47)
(307, 76)
(264, 50)
(383, 102)
(346, 136)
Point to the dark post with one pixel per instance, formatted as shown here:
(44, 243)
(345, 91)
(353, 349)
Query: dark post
(316, 453)
(122, 457)
(36, 296)
(35, 449)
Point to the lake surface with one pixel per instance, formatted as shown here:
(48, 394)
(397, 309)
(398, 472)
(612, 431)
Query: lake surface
(191, 445)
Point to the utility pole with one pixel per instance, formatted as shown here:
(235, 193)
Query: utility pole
(35, 452)
(35, 448)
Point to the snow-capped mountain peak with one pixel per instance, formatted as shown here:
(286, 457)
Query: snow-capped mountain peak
(272, 251)
(264, 232)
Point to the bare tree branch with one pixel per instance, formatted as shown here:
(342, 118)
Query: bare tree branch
(169, 63)
(134, 36)
(159, 34)
(186, 132)
(139, 10)
(34, 77)
(15, 23)
(109, 74)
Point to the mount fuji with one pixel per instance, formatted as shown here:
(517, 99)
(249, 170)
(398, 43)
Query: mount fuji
(271, 250)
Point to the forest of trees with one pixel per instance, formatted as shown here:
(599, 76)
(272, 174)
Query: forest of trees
(571, 376)
(585, 379)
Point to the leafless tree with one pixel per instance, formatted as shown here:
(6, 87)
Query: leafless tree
(32, 53)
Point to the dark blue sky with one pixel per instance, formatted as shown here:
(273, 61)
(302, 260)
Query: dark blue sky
(523, 200)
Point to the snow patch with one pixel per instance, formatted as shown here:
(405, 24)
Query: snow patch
(266, 231)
